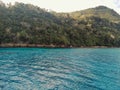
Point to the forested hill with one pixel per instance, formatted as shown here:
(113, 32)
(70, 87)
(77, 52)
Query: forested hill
(28, 24)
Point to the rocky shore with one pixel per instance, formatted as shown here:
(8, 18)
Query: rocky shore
(51, 46)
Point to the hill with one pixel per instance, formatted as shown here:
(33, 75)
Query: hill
(27, 24)
(100, 11)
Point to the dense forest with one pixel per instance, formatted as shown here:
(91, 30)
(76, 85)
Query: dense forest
(29, 24)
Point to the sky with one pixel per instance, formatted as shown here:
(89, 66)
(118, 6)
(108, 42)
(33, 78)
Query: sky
(70, 5)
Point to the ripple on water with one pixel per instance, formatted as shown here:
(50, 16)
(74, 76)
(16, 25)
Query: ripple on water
(59, 69)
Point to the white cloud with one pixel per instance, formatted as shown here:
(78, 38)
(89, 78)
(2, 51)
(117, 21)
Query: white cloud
(117, 2)
(71, 5)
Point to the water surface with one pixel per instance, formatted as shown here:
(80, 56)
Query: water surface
(59, 69)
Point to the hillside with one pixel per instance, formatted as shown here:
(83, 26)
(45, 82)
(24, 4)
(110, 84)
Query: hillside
(28, 24)
(100, 11)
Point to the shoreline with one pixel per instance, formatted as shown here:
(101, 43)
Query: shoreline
(49, 46)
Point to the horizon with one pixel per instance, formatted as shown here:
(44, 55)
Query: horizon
(69, 6)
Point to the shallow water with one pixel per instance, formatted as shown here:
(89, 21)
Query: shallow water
(59, 69)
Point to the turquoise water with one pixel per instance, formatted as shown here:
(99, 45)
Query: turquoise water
(59, 69)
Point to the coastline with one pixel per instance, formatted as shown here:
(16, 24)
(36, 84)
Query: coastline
(49, 46)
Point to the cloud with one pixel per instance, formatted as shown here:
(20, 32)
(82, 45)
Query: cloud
(117, 2)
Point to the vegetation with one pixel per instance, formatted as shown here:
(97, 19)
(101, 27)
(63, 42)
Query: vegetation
(28, 24)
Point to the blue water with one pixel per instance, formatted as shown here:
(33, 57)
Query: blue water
(59, 69)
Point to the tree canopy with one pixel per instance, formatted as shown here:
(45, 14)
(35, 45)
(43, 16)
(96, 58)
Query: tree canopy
(28, 24)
